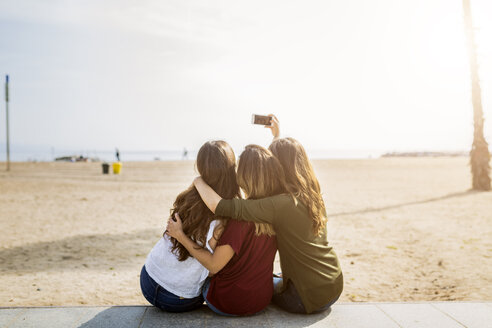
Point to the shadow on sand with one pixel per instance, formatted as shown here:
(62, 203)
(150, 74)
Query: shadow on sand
(391, 207)
(126, 250)
(79, 252)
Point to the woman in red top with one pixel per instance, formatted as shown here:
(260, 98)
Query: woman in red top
(243, 259)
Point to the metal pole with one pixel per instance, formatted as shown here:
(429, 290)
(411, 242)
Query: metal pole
(7, 122)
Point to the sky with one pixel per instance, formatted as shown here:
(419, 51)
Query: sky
(350, 76)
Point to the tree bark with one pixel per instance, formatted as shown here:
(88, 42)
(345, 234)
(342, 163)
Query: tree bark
(479, 154)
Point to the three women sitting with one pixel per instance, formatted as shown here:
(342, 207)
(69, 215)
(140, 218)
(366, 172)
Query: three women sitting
(212, 231)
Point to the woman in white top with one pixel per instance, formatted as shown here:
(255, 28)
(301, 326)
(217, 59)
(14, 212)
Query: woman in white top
(171, 278)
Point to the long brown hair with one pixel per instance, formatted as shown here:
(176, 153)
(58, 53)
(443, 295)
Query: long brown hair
(260, 175)
(301, 180)
(216, 163)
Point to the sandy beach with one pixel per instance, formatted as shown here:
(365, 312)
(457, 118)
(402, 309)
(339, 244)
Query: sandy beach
(405, 229)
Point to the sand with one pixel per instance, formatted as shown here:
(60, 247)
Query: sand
(404, 229)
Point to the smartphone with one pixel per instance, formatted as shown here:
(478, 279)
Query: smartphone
(261, 119)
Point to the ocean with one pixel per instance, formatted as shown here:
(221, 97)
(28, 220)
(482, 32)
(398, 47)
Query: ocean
(42, 154)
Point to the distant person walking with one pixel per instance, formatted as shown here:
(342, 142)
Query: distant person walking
(118, 155)
(185, 153)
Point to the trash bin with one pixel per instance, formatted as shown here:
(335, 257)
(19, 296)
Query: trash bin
(117, 168)
(105, 167)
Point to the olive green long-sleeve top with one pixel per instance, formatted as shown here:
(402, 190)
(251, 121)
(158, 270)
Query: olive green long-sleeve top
(306, 259)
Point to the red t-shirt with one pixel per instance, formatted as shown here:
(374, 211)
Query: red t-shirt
(244, 286)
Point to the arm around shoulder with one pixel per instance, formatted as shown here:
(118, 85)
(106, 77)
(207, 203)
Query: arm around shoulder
(208, 195)
(255, 210)
(214, 262)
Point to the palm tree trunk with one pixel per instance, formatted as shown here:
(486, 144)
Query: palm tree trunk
(479, 154)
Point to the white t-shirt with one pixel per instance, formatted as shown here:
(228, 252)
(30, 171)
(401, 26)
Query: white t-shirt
(182, 278)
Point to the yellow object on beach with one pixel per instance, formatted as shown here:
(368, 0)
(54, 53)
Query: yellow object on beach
(117, 167)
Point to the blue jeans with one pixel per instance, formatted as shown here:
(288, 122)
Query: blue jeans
(289, 299)
(205, 289)
(163, 299)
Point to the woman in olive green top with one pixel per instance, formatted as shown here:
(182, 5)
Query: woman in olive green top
(312, 277)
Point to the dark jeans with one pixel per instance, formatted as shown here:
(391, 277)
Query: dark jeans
(164, 300)
(289, 300)
(206, 287)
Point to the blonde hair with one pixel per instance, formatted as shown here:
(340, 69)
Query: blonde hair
(301, 180)
(260, 175)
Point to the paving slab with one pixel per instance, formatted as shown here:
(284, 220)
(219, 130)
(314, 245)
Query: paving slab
(214, 320)
(415, 315)
(55, 317)
(202, 317)
(114, 317)
(9, 316)
(276, 317)
(341, 315)
(359, 315)
(155, 318)
(475, 315)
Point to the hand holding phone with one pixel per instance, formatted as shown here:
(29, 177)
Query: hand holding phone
(270, 121)
(261, 119)
(274, 126)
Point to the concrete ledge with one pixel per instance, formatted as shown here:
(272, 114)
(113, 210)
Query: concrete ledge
(342, 315)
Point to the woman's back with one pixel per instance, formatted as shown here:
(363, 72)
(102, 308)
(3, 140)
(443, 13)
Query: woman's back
(169, 263)
(171, 278)
(306, 258)
(183, 278)
(244, 286)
